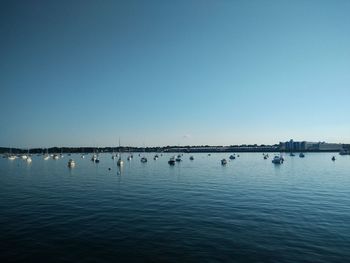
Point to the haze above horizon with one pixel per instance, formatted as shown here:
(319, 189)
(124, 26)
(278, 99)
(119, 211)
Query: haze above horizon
(159, 73)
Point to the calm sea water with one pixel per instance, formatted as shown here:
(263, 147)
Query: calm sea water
(197, 211)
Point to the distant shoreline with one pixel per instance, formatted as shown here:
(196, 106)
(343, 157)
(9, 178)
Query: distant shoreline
(183, 149)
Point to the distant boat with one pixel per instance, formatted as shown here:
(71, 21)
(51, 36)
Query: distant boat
(178, 158)
(46, 155)
(277, 159)
(29, 159)
(156, 157)
(292, 154)
(223, 162)
(94, 157)
(333, 158)
(25, 156)
(61, 154)
(143, 159)
(55, 157)
(97, 159)
(120, 162)
(171, 161)
(301, 155)
(12, 157)
(232, 157)
(191, 158)
(71, 163)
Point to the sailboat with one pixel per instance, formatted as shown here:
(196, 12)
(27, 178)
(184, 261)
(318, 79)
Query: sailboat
(113, 155)
(82, 154)
(144, 159)
(61, 155)
(94, 156)
(11, 156)
(119, 162)
(71, 163)
(46, 156)
(29, 159)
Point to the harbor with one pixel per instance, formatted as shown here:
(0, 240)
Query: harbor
(199, 207)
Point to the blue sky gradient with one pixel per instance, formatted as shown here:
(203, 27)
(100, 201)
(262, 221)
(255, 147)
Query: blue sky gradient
(173, 72)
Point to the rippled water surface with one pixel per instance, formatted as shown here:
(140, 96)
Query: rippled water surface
(197, 211)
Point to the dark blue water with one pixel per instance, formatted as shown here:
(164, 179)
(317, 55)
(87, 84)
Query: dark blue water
(196, 211)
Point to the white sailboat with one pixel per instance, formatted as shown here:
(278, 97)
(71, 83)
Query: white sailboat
(71, 163)
(11, 156)
(46, 156)
(120, 161)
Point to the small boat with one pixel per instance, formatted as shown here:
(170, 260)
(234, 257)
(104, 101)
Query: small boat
(143, 160)
(129, 158)
(94, 157)
(55, 157)
(333, 158)
(12, 157)
(232, 157)
(120, 162)
(178, 159)
(71, 163)
(277, 159)
(209, 154)
(191, 158)
(24, 157)
(46, 156)
(155, 157)
(29, 159)
(301, 155)
(61, 154)
(292, 154)
(223, 162)
(82, 156)
(171, 161)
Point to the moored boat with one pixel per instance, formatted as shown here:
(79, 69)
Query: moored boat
(277, 159)
(71, 163)
(171, 161)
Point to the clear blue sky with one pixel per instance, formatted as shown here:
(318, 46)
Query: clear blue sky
(173, 72)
